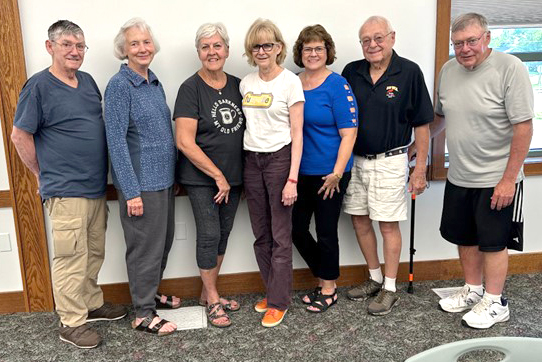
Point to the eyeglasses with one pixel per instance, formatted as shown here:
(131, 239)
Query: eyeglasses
(317, 50)
(68, 47)
(379, 39)
(470, 42)
(267, 47)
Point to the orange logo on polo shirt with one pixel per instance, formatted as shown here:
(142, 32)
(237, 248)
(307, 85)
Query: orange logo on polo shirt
(252, 100)
(391, 91)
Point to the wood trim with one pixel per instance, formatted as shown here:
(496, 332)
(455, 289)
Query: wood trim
(251, 282)
(533, 169)
(12, 302)
(5, 198)
(27, 207)
(442, 40)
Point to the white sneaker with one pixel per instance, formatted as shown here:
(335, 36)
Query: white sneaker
(460, 301)
(486, 313)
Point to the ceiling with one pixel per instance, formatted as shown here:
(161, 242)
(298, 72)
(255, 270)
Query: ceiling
(502, 12)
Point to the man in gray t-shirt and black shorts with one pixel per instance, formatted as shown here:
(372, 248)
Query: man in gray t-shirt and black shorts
(486, 99)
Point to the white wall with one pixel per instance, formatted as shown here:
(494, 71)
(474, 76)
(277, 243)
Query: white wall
(9, 256)
(175, 24)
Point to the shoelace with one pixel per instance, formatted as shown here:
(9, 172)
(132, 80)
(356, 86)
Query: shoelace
(384, 295)
(484, 304)
(461, 294)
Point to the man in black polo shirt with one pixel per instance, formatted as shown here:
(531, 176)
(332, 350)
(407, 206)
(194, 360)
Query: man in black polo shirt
(393, 99)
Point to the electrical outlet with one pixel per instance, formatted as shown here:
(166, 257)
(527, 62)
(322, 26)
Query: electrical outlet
(5, 243)
(180, 231)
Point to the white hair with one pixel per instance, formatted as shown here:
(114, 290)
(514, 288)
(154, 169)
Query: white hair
(377, 19)
(120, 39)
(207, 30)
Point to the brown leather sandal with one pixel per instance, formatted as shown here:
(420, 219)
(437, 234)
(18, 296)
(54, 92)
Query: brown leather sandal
(213, 316)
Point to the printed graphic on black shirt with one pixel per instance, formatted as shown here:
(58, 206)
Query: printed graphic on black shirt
(227, 117)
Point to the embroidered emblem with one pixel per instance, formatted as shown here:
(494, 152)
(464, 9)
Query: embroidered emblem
(391, 91)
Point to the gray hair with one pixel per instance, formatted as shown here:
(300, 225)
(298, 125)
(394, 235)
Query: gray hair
(120, 39)
(207, 30)
(377, 19)
(464, 20)
(64, 27)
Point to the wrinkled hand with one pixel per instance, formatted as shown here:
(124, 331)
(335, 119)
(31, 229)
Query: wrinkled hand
(503, 194)
(134, 207)
(223, 193)
(331, 184)
(417, 183)
(289, 194)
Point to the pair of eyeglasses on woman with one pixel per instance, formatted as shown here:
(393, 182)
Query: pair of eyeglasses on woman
(267, 47)
(317, 50)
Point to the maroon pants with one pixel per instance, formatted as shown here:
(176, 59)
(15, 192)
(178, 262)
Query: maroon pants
(265, 175)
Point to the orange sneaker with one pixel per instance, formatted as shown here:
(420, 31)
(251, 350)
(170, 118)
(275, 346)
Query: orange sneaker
(273, 317)
(261, 306)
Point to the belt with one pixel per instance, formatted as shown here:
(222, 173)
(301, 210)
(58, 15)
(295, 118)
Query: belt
(397, 151)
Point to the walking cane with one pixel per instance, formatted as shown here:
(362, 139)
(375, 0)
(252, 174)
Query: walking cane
(412, 250)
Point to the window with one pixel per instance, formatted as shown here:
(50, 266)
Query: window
(526, 44)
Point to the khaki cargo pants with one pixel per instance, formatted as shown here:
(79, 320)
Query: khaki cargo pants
(79, 246)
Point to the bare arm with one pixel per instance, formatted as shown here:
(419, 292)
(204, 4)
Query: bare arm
(418, 181)
(24, 143)
(289, 192)
(503, 193)
(185, 132)
(331, 181)
(435, 128)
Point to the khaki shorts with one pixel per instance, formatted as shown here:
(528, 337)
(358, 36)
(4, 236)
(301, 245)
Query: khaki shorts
(377, 188)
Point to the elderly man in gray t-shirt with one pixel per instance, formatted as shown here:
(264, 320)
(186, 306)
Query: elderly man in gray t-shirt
(487, 101)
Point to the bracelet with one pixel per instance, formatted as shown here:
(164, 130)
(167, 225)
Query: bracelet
(292, 180)
(337, 175)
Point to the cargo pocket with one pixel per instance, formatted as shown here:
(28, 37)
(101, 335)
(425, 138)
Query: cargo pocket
(66, 233)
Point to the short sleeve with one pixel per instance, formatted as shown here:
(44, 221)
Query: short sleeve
(295, 91)
(421, 110)
(186, 104)
(438, 103)
(345, 109)
(518, 93)
(29, 112)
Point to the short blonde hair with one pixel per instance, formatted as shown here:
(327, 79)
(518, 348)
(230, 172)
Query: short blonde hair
(263, 29)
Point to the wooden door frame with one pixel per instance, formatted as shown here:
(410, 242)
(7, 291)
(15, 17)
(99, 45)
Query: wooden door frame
(26, 204)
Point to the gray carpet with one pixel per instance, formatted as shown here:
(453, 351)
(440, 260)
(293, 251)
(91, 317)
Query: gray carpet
(345, 332)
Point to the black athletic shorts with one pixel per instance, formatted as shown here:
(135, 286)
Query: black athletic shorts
(467, 219)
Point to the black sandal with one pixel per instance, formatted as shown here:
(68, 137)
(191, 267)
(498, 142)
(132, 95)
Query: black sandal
(312, 296)
(167, 305)
(321, 302)
(145, 323)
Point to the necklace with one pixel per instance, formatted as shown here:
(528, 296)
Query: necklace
(217, 85)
